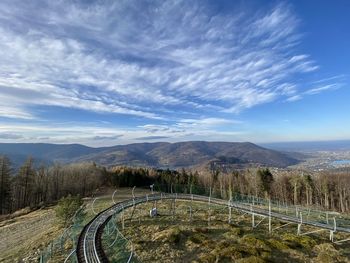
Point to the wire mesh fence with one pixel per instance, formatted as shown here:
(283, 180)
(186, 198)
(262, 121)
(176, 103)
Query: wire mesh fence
(62, 249)
(116, 246)
(119, 249)
(307, 214)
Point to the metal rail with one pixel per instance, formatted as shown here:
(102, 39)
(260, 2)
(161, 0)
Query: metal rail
(89, 247)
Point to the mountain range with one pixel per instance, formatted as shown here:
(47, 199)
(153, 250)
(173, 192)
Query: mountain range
(160, 154)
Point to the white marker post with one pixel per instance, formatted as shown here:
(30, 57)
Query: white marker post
(270, 228)
(115, 191)
(92, 206)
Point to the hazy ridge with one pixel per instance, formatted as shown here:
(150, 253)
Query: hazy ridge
(161, 154)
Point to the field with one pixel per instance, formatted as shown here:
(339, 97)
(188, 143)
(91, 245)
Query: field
(175, 238)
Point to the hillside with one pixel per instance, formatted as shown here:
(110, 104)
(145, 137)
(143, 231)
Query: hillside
(162, 154)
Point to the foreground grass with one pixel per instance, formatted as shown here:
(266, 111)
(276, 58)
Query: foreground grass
(169, 238)
(22, 237)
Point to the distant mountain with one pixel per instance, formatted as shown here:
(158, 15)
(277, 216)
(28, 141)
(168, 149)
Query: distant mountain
(161, 154)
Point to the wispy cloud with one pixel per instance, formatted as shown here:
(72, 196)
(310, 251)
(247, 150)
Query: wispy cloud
(151, 138)
(145, 58)
(294, 98)
(94, 135)
(327, 84)
(9, 136)
(103, 138)
(322, 88)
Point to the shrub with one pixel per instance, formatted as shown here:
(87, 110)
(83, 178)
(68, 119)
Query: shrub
(66, 208)
(326, 253)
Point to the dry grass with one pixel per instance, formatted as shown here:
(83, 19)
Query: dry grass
(168, 239)
(25, 233)
(22, 236)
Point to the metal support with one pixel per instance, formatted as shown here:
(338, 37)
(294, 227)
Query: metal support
(253, 216)
(174, 207)
(341, 241)
(282, 226)
(331, 235)
(270, 228)
(229, 212)
(299, 225)
(260, 222)
(115, 240)
(70, 254)
(123, 223)
(311, 232)
(92, 206)
(114, 202)
(133, 192)
(209, 214)
(190, 208)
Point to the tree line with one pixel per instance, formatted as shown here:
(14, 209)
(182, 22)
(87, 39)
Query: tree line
(327, 189)
(36, 186)
(33, 186)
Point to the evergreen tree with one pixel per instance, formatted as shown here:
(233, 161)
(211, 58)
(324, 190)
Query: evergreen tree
(266, 180)
(5, 184)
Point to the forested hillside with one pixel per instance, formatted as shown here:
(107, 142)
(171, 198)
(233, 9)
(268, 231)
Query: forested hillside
(161, 154)
(35, 187)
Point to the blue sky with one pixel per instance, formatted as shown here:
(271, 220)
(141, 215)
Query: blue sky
(114, 72)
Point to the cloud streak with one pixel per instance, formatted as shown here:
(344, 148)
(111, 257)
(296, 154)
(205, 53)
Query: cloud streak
(146, 59)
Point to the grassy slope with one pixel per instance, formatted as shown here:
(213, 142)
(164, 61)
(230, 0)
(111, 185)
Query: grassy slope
(164, 239)
(23, 236)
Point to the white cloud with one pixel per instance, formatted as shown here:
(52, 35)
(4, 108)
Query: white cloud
(145, 59)
(294, 98)
(317, 90)
(93, 135)
(9, 136)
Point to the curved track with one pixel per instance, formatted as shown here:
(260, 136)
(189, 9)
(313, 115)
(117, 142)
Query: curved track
(89, 247)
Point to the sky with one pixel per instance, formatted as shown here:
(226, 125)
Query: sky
(104, 73)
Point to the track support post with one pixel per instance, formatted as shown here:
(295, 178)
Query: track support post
(299, 225)
(229, 212)
(270, 227)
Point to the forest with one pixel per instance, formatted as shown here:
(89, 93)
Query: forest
(35, 186)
